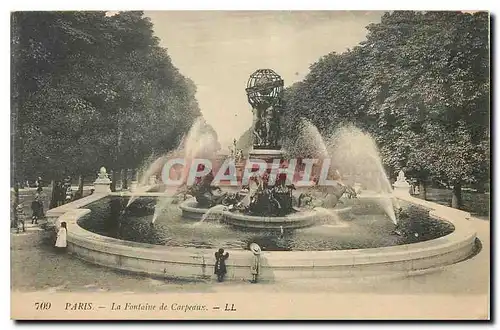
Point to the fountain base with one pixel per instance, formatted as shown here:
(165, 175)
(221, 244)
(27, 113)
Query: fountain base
(190, 209)
(298, 219)
(265, 154)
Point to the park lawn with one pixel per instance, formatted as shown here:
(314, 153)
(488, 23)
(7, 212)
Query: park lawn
(477, 204)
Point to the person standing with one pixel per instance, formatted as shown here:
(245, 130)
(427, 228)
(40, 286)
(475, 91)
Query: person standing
(35, 211)
(60, 194)
(220, 264)
(66, 192)
(20, 218)
(39, 184)
(37, 206)
(255, 265)
(69, 195)
(61, 242)
(56, 194)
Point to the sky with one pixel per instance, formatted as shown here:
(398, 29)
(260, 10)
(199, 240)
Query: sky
(219, 50)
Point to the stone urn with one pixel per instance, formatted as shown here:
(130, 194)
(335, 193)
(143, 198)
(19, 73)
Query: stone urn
(102, 183)
(401, 186)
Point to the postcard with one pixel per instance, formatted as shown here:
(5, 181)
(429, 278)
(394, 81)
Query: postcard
(250, 165)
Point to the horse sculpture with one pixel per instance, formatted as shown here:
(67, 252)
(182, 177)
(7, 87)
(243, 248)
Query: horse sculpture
(334, 193)
(203, 191)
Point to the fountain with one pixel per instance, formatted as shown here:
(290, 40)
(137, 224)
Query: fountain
(356, 153)
(313, 230)
(265, 203)
(273, 204)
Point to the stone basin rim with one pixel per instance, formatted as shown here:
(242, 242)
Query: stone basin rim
(193, 263)
(462, 232)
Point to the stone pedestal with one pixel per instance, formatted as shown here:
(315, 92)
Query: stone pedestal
(102, 184)
(240, 167)
(265, 154)
(133, 186)
(152, 180)
(102, 187)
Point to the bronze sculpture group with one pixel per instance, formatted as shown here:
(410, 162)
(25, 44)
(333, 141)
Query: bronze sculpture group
(265, 93)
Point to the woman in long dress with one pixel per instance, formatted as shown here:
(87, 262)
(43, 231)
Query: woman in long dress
(61, 242)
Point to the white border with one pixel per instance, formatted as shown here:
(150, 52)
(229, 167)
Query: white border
(199, 4)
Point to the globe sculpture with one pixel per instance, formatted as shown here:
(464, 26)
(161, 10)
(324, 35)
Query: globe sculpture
(265, 93)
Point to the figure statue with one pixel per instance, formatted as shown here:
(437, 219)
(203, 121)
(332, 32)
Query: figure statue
(269, 116)
(258, 132)
(203, 191)
(239, 155)
(264, 91)
(269, 201)
(233, 150)
(266, 127)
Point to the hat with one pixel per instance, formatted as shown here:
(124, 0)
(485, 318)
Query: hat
(255, 248)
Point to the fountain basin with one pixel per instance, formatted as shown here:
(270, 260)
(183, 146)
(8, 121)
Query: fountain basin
(196, 263)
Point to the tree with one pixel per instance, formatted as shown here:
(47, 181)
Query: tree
(92, 90)
(419, 84)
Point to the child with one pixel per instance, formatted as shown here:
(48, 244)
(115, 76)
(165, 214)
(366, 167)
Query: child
(20, 217)
(37, 208)
(35, 211)
(61, 243)
(69, 194)
(220, 264)
(255, 266)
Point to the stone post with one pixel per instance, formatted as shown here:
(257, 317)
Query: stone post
(134, 183)
(125, 173)
(152, 180)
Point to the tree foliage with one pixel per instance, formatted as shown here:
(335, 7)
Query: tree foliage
(90, 90)
(419, 84)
